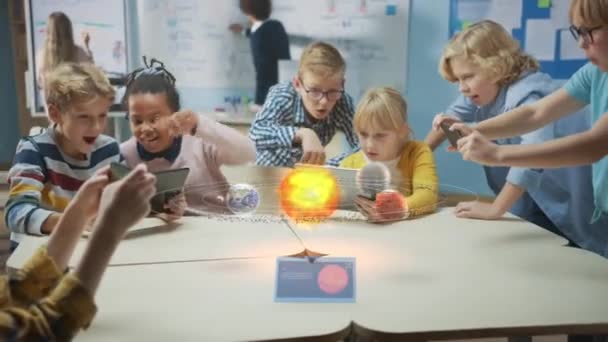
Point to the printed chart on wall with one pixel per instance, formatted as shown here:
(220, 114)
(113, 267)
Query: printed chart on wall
(192, 38)
(371, 34)
(541, 26)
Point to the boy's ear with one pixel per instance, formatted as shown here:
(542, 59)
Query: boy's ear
(296, 82)
(54, 113)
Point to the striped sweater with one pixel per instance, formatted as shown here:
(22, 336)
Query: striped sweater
(43, 179)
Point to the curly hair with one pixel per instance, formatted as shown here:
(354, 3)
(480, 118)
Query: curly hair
(491, 47)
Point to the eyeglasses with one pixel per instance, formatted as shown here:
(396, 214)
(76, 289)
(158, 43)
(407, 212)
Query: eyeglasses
(582, 32)
(317, 95)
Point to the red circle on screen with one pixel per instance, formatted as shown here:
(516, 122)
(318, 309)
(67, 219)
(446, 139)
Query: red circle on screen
(332, 279)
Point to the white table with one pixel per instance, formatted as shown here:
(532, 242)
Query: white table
(434, 277)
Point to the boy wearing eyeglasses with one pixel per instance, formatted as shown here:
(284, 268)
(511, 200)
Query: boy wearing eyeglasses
(299, 118)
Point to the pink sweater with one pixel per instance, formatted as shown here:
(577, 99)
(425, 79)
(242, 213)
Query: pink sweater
(213, 145)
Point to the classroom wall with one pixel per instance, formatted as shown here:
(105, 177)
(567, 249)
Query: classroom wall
(427, 93)
(9, 127)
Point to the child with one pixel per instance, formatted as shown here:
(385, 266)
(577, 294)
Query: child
(165, 138)
(44, 303)
(381, 125)
(553, 199)
(300, 117)
(49, 168)
(269, 44)
(589, 85)
(59, 47)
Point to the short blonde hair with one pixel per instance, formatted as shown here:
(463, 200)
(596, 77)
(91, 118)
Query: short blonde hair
(322, 59)
(380, 108)
(592, 12)
(72, 83)
(491, 47)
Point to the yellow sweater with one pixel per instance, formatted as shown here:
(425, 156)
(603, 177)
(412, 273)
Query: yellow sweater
(419, 176)
(43, 304)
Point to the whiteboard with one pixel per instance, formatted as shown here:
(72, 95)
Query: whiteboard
(192, 38)
(370, 34)
(104, 20)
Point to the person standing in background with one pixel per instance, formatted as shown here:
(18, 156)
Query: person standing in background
(269, 44)
(59, 47)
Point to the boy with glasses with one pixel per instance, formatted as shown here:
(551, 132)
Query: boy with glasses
(299, 118)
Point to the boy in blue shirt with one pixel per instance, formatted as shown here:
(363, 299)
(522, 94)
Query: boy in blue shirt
(554, 198)
(589, 85)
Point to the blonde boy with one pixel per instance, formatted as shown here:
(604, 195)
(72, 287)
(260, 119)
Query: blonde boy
(300, 117)
(49, 168)
(495, 77)
(589, 85)
(384, 135)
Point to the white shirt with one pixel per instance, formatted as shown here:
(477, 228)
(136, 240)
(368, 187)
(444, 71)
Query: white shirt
(256, 25)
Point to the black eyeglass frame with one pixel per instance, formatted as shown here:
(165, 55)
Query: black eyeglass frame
(323, 94)
(582, 32)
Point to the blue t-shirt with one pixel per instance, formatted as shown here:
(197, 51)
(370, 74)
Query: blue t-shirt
(590, 85)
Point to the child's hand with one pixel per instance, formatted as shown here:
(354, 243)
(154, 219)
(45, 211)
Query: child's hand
(475, 147)
(236, 28)
(477, 210)
(126, 201)
(87, 198)
(384, 209)
(176, 207)
(440, 118)
(313, 151)
(391, 205)
(183, 122)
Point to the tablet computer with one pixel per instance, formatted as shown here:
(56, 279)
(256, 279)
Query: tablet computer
(168, 183)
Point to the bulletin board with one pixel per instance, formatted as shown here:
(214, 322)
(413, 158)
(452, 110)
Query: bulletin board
(541, 27)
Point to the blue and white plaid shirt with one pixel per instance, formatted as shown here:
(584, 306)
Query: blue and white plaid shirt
(283, 114)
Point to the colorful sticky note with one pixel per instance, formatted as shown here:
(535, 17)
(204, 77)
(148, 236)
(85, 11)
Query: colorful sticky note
(391, 10)
(544, 3)
(466, 23)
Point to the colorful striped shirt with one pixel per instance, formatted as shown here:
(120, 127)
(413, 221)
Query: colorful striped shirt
(43, 179)
(283, 114)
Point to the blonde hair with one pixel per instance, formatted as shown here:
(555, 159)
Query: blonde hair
(73, 83)
(491, 47)
(59, 46)
(592, 12)
(380, 108)
(321, 59)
